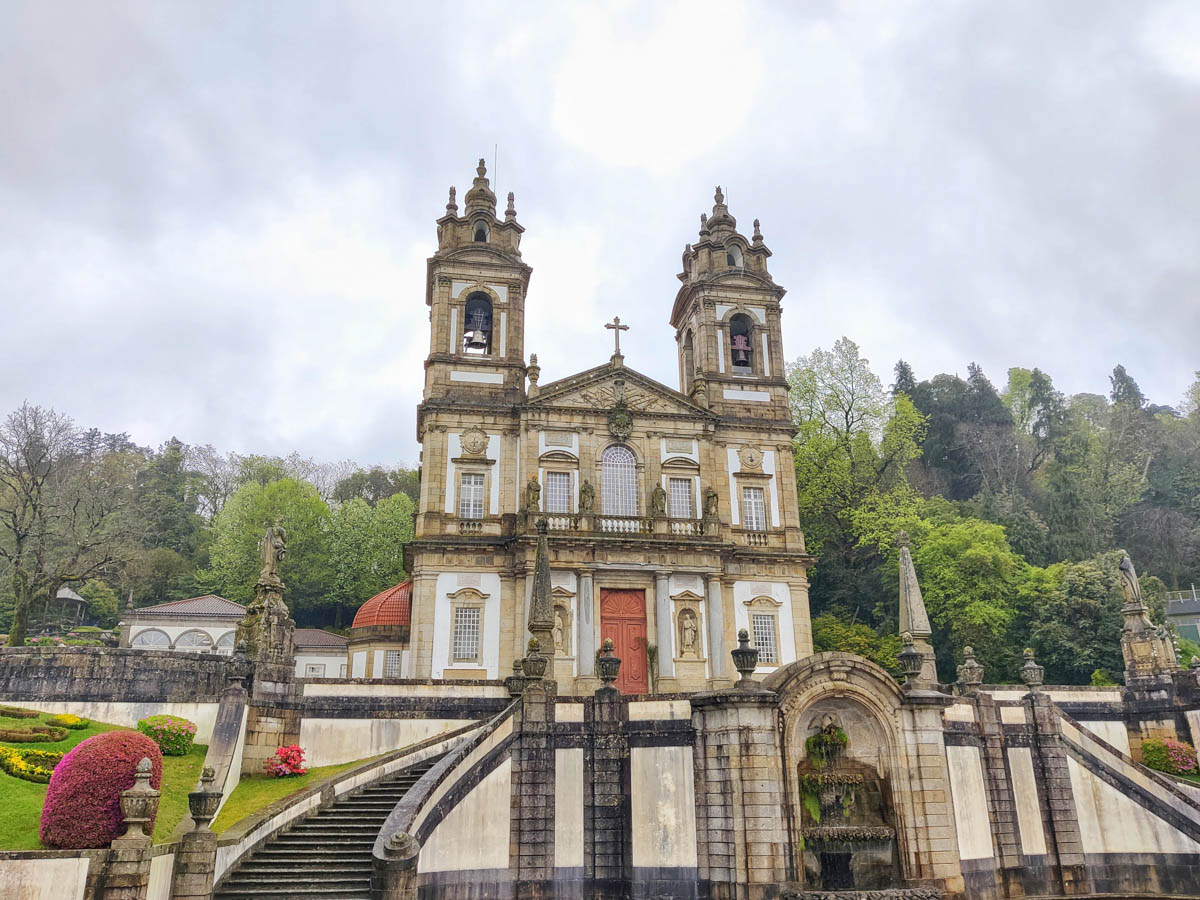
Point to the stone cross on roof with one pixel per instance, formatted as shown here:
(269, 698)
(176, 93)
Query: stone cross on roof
(616, 327)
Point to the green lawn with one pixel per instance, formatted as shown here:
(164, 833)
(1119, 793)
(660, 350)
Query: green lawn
(22, 800)
(256, 791)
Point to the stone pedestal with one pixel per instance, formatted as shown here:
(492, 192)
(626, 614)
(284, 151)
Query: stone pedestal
(128, 873)
(533, 779)
(740, 819)
(195, 866)
(395, 875)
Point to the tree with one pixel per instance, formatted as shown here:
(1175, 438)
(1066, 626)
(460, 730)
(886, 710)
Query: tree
(905, 382)
(831, 633)
(239, 527)
(367, 549)
(377, 484)
(102, 602)
(63, 507)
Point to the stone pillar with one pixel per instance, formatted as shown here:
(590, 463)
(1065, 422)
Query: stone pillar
(1002, 803)
(195, 866)
(127, 876)
(585, 628)
(394, 877)
(716, 626)
(740, 820)
(1051, 769)
(531, 852)
(666, 625)
(606, 777)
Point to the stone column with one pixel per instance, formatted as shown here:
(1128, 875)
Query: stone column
(1051, 769)
(716, 626)
(666, 625)
(606, 778)
(740, 822)
(585, 628)
(127, 876)
(531, 853)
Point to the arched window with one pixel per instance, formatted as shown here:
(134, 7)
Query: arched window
(481, 232)
(194, 640)
(151, 638)
(477, 325)
(618, 479)
(733, 256)
(689, 362)
(741, 344)
(225, 643)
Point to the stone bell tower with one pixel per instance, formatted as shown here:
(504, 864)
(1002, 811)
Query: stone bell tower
(475, 289)
(726, 321)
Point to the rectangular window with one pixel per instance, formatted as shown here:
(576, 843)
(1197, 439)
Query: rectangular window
(466, 632)
(314, 670)
(391, 664)
(764, 637)
(470, 496)
(754, 509)
(342, 672)
(681, 499)
(558, 492)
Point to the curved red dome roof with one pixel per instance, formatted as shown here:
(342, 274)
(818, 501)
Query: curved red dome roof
(391, 607)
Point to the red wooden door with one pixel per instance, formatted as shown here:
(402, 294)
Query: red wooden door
(623, 618)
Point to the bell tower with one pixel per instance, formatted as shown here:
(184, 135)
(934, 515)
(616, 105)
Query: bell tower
(727, 322)
(475, 289)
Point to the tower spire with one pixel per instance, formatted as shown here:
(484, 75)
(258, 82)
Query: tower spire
(914, 619)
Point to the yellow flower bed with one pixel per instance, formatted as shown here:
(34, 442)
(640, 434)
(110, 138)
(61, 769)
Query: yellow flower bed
(31, 765)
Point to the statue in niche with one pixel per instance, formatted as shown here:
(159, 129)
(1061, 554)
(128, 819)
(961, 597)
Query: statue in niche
(710, 502)
(658, 501)
(533, 494)
(587, 497)
(689, 634)
(560, 631)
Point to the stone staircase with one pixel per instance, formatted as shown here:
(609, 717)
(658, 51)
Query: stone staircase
(326, 856)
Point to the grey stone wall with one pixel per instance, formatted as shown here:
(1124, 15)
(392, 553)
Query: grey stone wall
(105, 674)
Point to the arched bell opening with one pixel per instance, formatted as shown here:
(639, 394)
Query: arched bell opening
(477, 328)
(741, 344)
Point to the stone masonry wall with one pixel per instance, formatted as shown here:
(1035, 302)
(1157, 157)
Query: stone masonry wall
(110, 675)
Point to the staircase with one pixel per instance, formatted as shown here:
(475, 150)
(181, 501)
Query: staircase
(325, 857)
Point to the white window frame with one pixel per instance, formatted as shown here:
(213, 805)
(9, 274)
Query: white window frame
(754, 507)
(472, 490)
(618, 481)
(765, 625)
(681, 507)
(314, 670)
(558, 492)
(466, 619)
(391, 663)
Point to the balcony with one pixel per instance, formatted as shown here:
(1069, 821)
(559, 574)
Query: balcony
(632, 526)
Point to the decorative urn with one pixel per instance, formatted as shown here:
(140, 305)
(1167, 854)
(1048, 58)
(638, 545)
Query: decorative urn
(139, 804)
(203, 804)
(608, 666)
(745, 659)
(1031, 673)
(970, 673)
(534, 664)
(911, 659)
(515, 683)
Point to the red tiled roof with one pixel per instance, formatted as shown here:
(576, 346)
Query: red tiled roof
(210, 605)
(316, 638)
(392, 607)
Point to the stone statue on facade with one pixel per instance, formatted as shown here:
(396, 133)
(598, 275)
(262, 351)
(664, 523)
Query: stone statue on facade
(533, 494)
(587, 497)
(689, 632)
(266, 630)
(1148, 651)
(271, 552)
(658, 501)
(710, 503)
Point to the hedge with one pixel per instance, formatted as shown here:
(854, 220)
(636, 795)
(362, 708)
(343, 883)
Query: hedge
(173, 735)
(66, 720)
(29, 764)
(36, 734)
(1172, 757)
(83, 803)
(15, 712)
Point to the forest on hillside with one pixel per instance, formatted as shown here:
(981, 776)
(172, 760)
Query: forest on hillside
(1017, 501)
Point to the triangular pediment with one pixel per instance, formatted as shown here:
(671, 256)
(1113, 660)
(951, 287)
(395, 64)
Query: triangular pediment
(599, 388)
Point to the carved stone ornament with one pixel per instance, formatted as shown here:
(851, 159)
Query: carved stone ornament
(620, 421)
(474, 441)
(751, 458)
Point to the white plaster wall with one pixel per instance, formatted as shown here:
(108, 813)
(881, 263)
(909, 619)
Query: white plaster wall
(128, 714)
(694, 583)
(959, 712)
(43, 879)
(660, 709)
(327, 742)
(768, 466)
(744, 592)
(331, 660)
(489, 585)
(1110, 822)
(663, 806)
(377, 661)
(162, 867)
(970, 803)
(565, 579)
(475, 833)
(358, 667)
(493, 452)
(1029, 815)
(1193, 720)
(568, 807)
(1110, 732)
(568, 712)
(385, 689)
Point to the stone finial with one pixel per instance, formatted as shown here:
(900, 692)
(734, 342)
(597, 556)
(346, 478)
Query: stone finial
(1031, 673)
(511, 211)
(911, 660)
(608, 665)
(970, 673)
(541, 610)
(757, 237)
(903, 540)
(402, 844)
(718, 197)
(703, 224)
(515, 683)
(203, 803)
(451, 204)
(139, 804)
(534, 664)
(745, 660)
(481, 169)
(913, 616)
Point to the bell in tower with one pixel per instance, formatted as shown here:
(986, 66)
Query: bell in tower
(477, 334)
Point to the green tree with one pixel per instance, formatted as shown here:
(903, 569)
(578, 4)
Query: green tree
(238, 529)
(102, 602)
(832, 633)
(367, 549)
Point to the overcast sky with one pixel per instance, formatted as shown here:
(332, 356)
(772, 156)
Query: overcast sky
(214, 217)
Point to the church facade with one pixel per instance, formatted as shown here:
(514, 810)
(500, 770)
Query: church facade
(669, 513)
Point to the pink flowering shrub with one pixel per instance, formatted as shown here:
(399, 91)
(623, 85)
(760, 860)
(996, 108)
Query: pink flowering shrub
(1172, 757)
(83, 802)
(172, 734)
(286, 761)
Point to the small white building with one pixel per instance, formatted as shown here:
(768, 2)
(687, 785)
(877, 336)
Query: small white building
(197, 624)
(319, 654)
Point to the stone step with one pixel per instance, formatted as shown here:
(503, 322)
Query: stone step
(281, 855)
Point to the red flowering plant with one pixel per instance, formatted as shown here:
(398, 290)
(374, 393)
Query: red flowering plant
(287, 761)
